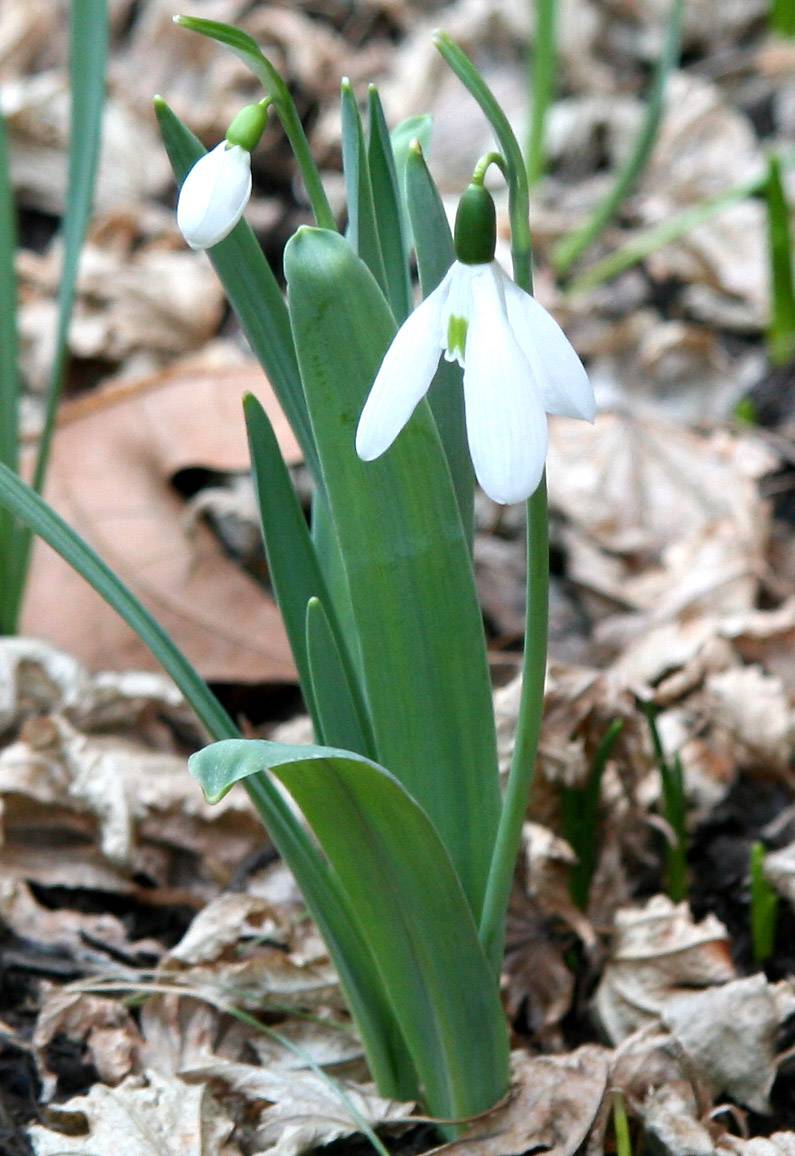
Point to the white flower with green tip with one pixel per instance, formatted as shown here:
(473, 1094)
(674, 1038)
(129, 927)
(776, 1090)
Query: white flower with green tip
(518, 367)
(216, 191)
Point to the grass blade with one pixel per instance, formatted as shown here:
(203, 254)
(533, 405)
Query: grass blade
(425, 672)
(9, 374)
(362, 228)
(542, 86)
(782, 18)
(253, 292)
(413, 128)
(386, 198)
(88, 45)
(433, 244)
(571, 248)
(781, 332)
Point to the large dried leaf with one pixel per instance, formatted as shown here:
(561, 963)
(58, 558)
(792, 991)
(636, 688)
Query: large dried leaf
(658, 951)
(148, 1115)
(114, 456)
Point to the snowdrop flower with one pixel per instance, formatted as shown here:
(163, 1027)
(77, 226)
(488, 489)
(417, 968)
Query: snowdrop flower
(217, 188)
(518, 365)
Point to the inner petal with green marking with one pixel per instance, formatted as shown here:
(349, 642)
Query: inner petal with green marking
(456, 339)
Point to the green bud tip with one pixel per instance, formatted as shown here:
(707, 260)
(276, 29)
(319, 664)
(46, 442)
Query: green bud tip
(248, 126)
(476, 227)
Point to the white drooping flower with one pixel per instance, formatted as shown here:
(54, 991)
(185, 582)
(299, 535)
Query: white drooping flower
(214, 195)
(518, 367)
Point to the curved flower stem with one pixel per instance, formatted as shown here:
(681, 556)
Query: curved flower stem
(528, 727)
(518, 195)
(274, 84)
(483, 165)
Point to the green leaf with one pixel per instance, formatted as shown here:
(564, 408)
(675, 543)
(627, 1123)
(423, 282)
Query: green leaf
(9, 373)
(408, 900)
(544, 61)
(275, 86)
(418, 923)
(423, 656)
(253, 292)
(381, 1035)
(386, 198)
(362, 228)
(413, 128)
(433, 243)
(781, 332)
(342, 717)
(88, 44)
(294, 569)
(571, 247)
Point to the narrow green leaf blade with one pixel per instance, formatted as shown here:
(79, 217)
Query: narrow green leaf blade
(328, 905)
(781, 333)
(252, 289)
(342, 719)
(9, 372)
(412, 128)
(409, 571)
(88, 45)
(571, 247)
(413, 913)
(295, 573)
(386, 199)
(362, 228)
(433, 243)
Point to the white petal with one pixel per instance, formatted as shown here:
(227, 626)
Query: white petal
(564, 382)
(404, 377)
(214, 195)
(506, 423)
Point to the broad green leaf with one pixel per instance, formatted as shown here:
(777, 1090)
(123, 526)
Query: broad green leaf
(275, 86)
(423, 657)
(386, 1052)
(418, 923)
(386, 199)
(408, 900)
(433, 244)
(88, 45)
(252, 289)
(362, 228)
(292, 563)
(342, 717)
(570, 248)
(9, 371)
(781, 332)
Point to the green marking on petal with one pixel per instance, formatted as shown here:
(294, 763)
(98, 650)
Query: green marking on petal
(457, 338)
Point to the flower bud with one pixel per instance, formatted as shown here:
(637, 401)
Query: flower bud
(214, 195)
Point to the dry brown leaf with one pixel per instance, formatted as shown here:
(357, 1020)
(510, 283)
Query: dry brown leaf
(658, 951)
(553, 1103)
(308, 1110)
(779, 1144)
(758, 714)
(113, 458)
(148, 1115)
(729, 1032)
(104, 1026)
(224, 922)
